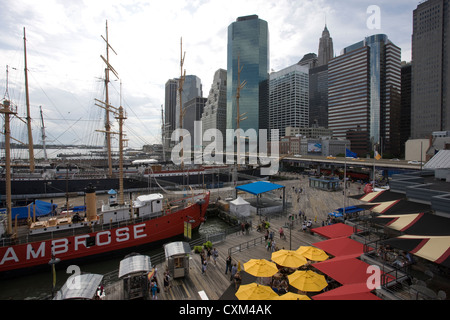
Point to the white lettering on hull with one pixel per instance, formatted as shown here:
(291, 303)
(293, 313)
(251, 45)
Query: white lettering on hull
(34, 251)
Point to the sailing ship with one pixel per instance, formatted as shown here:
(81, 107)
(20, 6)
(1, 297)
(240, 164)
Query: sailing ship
(118, 226)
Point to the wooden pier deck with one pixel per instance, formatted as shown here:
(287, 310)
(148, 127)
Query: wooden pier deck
(316, 204)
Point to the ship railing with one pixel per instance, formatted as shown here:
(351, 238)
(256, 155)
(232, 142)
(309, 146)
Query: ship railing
(77, 230)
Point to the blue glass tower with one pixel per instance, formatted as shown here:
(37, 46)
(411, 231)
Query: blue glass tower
(248, 39)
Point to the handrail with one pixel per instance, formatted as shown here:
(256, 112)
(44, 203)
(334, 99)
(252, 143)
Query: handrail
(246, 245)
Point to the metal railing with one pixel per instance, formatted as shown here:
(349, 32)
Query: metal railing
(246, 245)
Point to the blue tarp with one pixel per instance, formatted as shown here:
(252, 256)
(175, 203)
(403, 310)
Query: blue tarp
(339, 212)
(42, 209)
(350, 154)
(259, 187)
(79, 209)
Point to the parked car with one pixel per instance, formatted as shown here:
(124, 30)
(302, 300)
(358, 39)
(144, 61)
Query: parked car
(414, 162)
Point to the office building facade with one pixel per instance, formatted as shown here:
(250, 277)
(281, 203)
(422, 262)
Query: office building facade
(215, 112)
(193, 112)
(289, 98)
(170, 106)
(364, 86)
(192, 88)
(405, 122)
(248, 40)
(430, 105)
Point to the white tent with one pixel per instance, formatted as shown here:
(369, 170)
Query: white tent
(240, 207)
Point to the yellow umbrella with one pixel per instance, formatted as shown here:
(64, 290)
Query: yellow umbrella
(312, 253)
(288, 258)
(255, 291)
(292, 296)
(260, 268)
(307, 281)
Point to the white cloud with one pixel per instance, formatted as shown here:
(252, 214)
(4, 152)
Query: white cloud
(64, 48)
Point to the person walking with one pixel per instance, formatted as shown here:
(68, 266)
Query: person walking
(233, 271)
(154, 290)
(282, 236)
(237, 280)
(166, 281)
(204, 265)
(228, 264)
(215, 254)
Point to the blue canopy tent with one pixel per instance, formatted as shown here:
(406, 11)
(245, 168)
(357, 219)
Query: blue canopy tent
(260, 187)
(256, 188)
(42, 209)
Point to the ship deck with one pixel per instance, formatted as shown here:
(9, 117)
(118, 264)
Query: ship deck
(23, 236)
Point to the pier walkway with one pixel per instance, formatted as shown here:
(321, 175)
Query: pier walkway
(212, 285)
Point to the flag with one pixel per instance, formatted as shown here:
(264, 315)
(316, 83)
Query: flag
(350, 154)
(377, 155)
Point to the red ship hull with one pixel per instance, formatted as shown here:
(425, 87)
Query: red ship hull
(34, 254)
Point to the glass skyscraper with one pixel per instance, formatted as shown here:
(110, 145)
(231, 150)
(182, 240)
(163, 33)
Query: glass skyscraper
(248, 39)
(364, 86)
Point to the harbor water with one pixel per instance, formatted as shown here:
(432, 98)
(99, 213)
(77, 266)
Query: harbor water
(38, 286)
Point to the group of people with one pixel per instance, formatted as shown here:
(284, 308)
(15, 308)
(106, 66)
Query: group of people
(398, 260)
(263, 226)
(280, 284)
(245, 227)
(235, 275)
(154, 287)
(270, 240)
(205, 257)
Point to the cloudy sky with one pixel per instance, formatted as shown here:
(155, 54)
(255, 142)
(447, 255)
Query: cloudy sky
(64, 45)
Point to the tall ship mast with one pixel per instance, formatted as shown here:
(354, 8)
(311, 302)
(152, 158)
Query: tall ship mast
(6, 110)
(106, 104)
(116, 227)
(30, 134)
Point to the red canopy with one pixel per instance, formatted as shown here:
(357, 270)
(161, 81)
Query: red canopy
(356, 291)
(345, 269)
(341, 246)
(336, 230)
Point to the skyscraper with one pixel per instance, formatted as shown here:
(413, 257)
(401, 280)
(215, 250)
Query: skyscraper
(405, 122)
(193, 110)
(318, 80)
(170, 108)
(326, 51)
(430, 104)
(215, 111)
(192, 88)
(364, 86)
(288, 98)
(248, 40)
